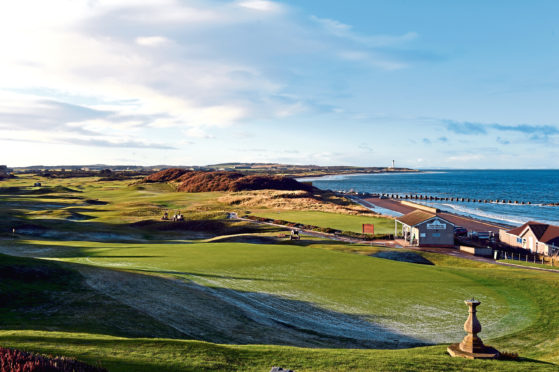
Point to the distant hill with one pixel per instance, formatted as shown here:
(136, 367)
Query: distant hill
(202, 181)
(295, 170)
(289, 170)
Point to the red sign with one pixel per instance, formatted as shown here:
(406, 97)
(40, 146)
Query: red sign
(368, 228)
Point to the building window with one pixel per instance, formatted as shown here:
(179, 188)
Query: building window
(519, 240)
(436, 235)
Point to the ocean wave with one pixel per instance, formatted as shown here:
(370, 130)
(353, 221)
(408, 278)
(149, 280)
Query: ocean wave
(332, 177)
(514, 220)
(344, 177)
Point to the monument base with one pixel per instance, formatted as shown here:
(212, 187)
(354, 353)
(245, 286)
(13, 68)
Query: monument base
(487, 353)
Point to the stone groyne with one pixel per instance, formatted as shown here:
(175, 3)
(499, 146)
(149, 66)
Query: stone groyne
(447, 198)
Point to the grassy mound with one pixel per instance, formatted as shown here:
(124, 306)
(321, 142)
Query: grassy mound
(351, 223)
(292, 200)
(42, 295)
(195, 181)
(215, 227)
(36, 190)
(166, 175)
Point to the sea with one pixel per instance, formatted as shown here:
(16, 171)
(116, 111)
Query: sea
(539, 187)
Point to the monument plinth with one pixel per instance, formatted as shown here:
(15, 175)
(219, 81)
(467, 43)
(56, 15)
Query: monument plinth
(472, 346)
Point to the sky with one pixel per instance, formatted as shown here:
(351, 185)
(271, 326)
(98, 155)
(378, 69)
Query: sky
(430, 84)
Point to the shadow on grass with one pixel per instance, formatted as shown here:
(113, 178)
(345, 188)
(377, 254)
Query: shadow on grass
(527, 360)
(202, 275)
(45, 295)
(403, 256)
(176, 307)
(139, 256)
(27, 190)
(229, 316)
(308, 242)
(143, 305)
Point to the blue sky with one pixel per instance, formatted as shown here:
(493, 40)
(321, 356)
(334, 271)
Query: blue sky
(471, 84)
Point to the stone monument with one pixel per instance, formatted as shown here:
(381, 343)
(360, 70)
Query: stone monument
(471, 346)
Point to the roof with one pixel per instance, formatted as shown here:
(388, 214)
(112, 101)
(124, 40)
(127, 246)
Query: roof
(418, 216)
(551, 235)
(544, 233)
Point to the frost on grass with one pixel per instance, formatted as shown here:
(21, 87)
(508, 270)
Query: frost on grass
(232, 316)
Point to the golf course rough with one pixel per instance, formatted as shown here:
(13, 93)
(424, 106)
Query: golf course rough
(178, 290)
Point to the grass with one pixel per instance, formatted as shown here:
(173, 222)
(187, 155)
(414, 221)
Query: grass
(41, 295)
(513, 300)
(57, 312)
(531, 264)
(333, 220)
(391, 292)
(124, 354)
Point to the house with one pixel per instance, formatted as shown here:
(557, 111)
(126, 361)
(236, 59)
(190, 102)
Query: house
(424, 228)
(535, 236)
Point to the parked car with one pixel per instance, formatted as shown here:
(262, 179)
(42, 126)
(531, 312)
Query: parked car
(482, 235)
(460, 231)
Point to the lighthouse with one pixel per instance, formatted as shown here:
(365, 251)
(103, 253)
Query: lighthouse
(392, 164)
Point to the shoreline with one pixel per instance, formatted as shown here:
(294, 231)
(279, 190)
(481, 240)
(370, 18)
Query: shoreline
(507, 199)
(471, 223)
(350, 174)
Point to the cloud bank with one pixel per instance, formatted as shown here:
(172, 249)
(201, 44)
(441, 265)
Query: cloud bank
(132, 73)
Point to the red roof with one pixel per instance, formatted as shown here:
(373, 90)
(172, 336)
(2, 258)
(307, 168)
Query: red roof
(418, 216)
(544, 233)
(551, 235)
(518, 230)
(415, 217)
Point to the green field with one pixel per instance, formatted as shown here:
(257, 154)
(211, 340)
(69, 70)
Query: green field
(332, 220)
(532, 264)
(88, 280)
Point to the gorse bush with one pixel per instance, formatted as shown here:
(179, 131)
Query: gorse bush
(19, 361)
(198, 181)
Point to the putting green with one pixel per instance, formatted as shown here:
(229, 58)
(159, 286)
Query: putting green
(424, 302)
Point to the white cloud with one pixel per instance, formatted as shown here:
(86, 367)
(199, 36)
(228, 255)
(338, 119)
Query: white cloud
(135, 72)
(346, 31)
(334, 27)
(152, 40)
(370, 58)
(261, 5)
(465, 158)
(197, 133)
(371, 50)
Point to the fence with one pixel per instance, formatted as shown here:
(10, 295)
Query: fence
(528, 257)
